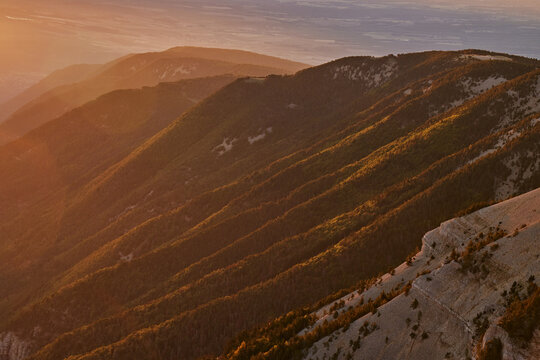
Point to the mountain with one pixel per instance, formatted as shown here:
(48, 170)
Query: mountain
(13, 83)
(71, 150)
(64, 90)
(68, 75)
(464, 287)
(267, 197)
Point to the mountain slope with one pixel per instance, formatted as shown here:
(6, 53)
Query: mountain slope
(287, 290)
(135, 71)
(268, 196)
(46, 167)
(457, 295)
(68, 75)
(80, 140)
(198, 168)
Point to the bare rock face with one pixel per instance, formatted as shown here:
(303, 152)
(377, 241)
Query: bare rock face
(456, 297)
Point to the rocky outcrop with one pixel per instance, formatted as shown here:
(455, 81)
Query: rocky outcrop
(456, 296)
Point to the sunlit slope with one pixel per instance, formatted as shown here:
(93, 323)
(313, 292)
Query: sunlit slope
(43, 170)
(257, 276)
(268, 196)
(313, 175)
(198, 170)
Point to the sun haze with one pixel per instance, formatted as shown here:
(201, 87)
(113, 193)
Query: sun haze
(37, 37)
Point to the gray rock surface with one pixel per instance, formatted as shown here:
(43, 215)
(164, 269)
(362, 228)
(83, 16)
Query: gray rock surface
(449, 298)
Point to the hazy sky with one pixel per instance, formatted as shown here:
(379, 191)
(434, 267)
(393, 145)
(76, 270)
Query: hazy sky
(38, 36)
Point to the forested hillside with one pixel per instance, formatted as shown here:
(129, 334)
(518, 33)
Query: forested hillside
(266, 197)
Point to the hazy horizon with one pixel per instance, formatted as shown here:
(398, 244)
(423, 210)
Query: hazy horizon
(60, 33)
(269, 179)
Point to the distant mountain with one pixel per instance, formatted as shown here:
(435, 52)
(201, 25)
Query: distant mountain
(68, 75)
(74, 86)
(271, 195)
(70, 151)
(13, 83)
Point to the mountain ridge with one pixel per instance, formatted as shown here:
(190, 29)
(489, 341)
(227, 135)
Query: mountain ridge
(59, 77)
(237, 232)
(134, 71)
